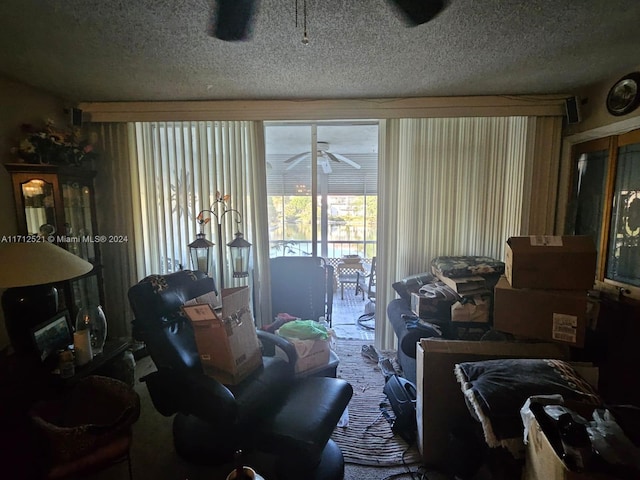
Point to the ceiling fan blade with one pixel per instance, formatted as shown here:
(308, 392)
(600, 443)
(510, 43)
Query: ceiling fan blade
(336, 157)
(417, 12)
(296, 157)
(295, 160)
(234, 19)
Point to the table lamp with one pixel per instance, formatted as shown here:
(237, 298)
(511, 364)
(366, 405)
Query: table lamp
(29, 270)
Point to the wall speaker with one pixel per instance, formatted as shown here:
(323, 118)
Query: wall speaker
(572, 109)
(76, 117)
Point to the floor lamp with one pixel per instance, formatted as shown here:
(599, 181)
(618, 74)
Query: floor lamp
(28, 274)
(200, 250)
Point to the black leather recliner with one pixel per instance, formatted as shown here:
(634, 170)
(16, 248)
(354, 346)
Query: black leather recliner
(269, 411)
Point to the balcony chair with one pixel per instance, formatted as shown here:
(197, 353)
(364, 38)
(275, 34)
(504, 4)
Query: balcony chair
(367, 282)
(302, 287)
(270, 411)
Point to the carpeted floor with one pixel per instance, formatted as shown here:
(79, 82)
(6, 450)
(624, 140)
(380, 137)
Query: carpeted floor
(368, 439)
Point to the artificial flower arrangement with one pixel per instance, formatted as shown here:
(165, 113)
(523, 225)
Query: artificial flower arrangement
(49, 145)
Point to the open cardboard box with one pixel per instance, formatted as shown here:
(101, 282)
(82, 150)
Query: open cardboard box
(543, 463)
(227, 341)
(440, 401)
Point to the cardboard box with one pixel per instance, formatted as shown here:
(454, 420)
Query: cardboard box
(551, 262)
(440, 402)
(311, 353)
(428, 307)
(474, 311)
(543, 463)
(227, 341)
(551, 315)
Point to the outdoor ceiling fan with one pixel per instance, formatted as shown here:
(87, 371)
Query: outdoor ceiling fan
(232, 19)
(324, 157)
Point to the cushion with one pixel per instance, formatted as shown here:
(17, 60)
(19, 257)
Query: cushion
(410, 284)
(466, 266)
(495, 390)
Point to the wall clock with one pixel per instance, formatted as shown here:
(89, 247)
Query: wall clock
(624, 96)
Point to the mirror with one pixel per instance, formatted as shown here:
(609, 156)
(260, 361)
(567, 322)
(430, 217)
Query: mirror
(39, 207)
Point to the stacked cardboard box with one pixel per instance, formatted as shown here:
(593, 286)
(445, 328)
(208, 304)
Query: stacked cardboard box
(543, 294)
(473, 284)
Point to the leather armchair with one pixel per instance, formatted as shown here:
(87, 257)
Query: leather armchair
(270, 410)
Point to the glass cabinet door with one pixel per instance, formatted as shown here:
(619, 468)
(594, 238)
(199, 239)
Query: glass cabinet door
(78, 221)
(623, 262)
(605, 203)
(589, 182)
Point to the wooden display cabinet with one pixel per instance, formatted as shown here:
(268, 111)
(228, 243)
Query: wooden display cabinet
(58, 203)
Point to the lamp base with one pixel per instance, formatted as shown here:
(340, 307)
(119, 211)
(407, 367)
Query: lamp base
(24, 308)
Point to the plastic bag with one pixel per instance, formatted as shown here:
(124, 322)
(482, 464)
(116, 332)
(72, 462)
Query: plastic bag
(304, 330)
(610, 442)
(527, 415)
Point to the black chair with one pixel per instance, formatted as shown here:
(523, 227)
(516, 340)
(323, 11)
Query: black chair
(302, 287)
(269, 411)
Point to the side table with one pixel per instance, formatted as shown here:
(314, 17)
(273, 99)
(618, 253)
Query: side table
(112, 351)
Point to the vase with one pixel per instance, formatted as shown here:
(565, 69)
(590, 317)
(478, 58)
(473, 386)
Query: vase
(92, 318)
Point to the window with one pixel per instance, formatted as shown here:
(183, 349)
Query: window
(606, 205)
(329, 211)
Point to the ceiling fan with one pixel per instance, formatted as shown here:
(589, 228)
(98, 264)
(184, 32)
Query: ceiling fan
(324, 157)
(232, 19)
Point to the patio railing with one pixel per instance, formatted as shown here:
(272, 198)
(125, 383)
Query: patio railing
(336, 249)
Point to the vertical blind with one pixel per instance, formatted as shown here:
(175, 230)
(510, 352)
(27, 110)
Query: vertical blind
(179, 168)
(454, 186)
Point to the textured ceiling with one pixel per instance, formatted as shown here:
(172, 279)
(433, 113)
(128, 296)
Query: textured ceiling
(120, 50)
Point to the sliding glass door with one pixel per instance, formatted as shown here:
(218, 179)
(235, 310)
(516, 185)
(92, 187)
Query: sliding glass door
(322, 188)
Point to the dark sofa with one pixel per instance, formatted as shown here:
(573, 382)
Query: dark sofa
(408, 330)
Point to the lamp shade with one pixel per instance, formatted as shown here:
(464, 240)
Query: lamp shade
(38, 263)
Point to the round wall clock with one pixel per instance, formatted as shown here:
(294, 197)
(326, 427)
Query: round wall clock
(624, 96)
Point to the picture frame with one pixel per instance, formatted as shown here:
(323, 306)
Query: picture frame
(52, 335)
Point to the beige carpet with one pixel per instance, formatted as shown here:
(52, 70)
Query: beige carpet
(368, 439)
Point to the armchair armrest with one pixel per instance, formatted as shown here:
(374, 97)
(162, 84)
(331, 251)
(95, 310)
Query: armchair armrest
(270, 341)
(194, 392)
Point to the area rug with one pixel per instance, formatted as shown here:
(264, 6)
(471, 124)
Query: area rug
(368, 439)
